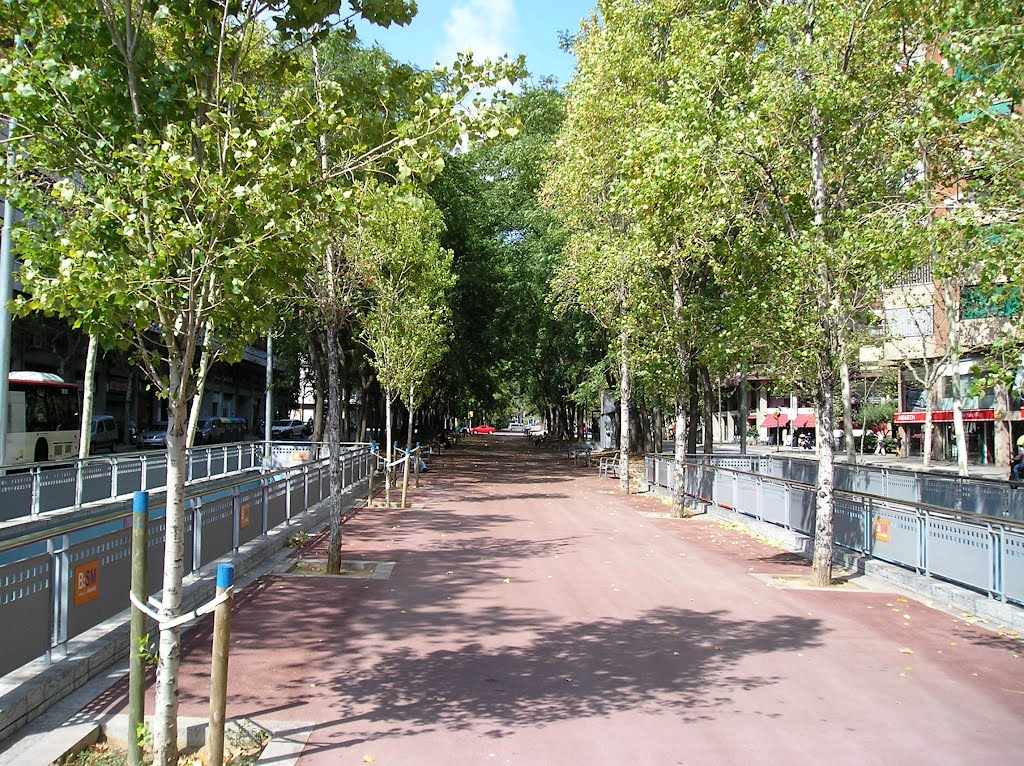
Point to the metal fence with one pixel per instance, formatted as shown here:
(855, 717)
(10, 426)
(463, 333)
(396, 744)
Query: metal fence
(985, 554)
(984, 497)
(83, 576)
(46, 487)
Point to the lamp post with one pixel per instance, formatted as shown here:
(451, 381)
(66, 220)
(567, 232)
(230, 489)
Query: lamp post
(778, 430)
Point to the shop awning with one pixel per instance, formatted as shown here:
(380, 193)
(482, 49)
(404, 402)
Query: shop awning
(805, 421)
(753, 415)
(770, 421)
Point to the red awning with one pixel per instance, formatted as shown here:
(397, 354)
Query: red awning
(805, 421)
(753, 415)
(770, 421)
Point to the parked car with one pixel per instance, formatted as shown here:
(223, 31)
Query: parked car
(482, 429)
(103, 434)
(210, 431)
(288, 429)
(154, 437)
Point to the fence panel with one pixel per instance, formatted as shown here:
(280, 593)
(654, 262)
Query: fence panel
(96, 481)
(129, 476)
(801, 503)
(57, 488)
(773, 502)
(217, 533)
(942, 492)
(747, 495)
(1013, 565)
(987, 499)
(15, 495)
(25, 599)
(198, 468)
(156, 470)
(250, 515)
(850, 521)
(961, 552)
(896, 536)
(96, 580)
(276, 503)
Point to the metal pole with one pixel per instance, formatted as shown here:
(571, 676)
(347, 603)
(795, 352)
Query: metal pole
(6, 291)
(219, 669)
(418, 453)
(268, 408)
(136, 664)
(373, 468)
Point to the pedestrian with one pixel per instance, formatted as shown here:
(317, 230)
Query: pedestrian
(1017, 469)
(880, 442)
(899, 445)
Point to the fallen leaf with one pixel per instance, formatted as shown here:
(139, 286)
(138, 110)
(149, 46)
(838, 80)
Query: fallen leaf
(368, 759)
(902, 600)
(906, 651)
(906, 617)
(507, 581)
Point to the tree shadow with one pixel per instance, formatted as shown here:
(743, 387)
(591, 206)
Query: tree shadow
(676, 660)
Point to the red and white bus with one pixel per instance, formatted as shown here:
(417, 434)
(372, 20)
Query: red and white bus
(42, 418)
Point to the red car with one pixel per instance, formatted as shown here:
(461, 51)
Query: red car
(484, 429)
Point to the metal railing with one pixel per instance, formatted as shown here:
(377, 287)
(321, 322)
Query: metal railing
(46, 487)
(983, 553)
(961, 494)
(73, 576)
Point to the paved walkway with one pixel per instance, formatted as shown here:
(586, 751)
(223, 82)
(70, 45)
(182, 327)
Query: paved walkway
(536, 616)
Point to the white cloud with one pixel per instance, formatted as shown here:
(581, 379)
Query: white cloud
(481, 26)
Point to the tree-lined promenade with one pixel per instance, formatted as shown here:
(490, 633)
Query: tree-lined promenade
(535, 615)
(723, 188)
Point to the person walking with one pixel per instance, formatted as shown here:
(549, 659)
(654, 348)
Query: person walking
(1017, 468)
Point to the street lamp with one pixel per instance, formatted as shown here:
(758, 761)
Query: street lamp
(778, 430)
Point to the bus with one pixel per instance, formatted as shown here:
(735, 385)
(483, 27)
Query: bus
(42, 418)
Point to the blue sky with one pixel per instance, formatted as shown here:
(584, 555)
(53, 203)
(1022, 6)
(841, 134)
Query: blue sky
(489, 28)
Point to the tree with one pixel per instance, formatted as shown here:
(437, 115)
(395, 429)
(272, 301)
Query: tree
(357, 143)
(408, 275)
(158, 173)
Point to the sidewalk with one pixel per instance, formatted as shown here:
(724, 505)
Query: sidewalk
(534, 615)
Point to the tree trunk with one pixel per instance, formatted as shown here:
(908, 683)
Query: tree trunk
(624, 401)
(388, 452)
(743, 410)
(659, 429)
(824, 533)
(88, 397)
(952, 300)
(316, 362)
(929, 427)
(336, 466)
(409, 449)
(165, 713)
(709, 410)
(129, 400)
(851, 445)
(679, 505)
(823, 528)
(691, 433)
(205, 360)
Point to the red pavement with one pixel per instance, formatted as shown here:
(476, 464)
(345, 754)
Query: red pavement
(537, 616)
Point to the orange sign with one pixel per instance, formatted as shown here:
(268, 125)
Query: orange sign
(243, 516)
(300, 457)
(87, 582)
(882, 530)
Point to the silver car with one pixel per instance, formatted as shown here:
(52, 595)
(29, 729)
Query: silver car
(288, 429)
(154, 437)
